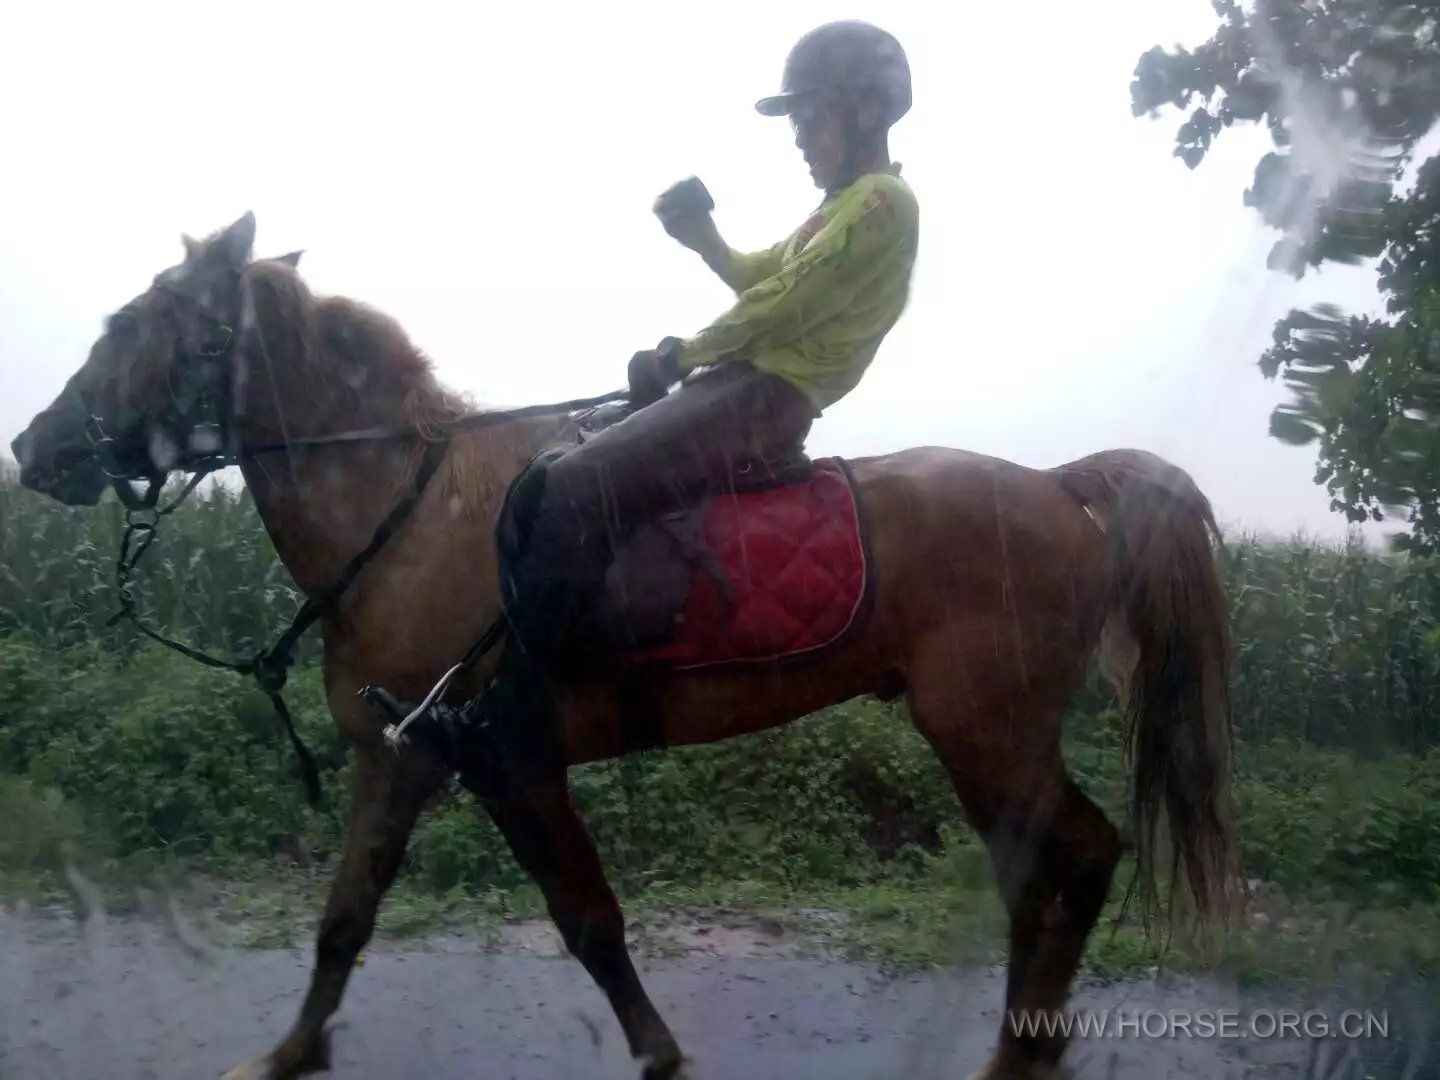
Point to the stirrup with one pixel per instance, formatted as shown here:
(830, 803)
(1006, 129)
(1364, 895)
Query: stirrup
(389, 707)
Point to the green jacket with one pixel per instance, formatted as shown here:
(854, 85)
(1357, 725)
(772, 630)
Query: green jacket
(814, 308)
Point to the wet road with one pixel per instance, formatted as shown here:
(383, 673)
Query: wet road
(126, 1000)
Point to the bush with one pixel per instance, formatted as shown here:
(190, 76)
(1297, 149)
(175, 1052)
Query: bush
(40, 832)
(1320, 822)
(166, 754)
(843, 797)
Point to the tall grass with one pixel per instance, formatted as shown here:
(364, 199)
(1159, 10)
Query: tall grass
(212, 578)
(1336, 645)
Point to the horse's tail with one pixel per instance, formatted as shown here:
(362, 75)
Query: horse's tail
(1166, 647)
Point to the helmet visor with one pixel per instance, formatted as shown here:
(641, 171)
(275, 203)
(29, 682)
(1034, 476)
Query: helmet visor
(785, 104)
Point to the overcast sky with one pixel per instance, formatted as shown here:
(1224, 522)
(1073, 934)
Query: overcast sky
(488, 180)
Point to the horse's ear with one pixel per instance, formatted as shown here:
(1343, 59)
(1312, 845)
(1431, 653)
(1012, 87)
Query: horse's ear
(192, 246)
(290, 258)
(235, 243)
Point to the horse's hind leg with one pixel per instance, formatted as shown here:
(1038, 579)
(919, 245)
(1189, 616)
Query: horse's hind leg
(1054, 879)
(387, 796)
(1052, 849)
(553, 846)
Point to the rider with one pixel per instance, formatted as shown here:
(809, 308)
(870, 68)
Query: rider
(810, 314)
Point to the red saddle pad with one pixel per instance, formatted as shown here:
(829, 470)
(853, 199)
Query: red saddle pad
(795, 564)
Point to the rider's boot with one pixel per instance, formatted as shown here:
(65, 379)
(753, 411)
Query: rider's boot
(505, 734)
(509, 730)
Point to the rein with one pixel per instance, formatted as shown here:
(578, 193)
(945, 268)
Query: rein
(270, 668)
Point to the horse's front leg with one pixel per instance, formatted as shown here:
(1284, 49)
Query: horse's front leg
(553, 846)
(386, 797)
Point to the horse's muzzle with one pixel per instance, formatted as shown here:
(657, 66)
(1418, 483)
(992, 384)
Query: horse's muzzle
(69, 475)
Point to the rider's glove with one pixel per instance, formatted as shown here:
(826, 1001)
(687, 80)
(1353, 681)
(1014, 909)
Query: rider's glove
(653, 371)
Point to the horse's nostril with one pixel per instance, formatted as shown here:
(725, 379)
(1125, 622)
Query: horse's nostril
(34, 477)
(24, 449)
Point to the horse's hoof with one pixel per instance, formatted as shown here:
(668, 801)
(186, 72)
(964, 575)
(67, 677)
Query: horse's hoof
(258, 1069)
(995, 1069)
(665, 1069)
(274, 1066)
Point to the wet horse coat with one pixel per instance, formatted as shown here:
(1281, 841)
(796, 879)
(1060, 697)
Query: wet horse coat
(994, 586)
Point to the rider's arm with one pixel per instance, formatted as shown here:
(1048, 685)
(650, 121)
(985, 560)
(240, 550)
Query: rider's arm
(860, 243)
(740, 270)
(685, 212)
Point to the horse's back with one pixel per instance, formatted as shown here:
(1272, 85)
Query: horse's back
(962, 535)
(937, 486)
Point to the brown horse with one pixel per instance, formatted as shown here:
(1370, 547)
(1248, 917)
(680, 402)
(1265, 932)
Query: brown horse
(994, 587)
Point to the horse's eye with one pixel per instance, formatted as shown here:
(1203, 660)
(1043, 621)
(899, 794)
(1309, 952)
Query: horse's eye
(218, 341)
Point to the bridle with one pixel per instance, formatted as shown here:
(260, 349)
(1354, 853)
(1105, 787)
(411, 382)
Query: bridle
(196, 418)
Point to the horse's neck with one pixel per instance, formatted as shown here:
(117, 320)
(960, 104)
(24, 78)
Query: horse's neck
(322, 505)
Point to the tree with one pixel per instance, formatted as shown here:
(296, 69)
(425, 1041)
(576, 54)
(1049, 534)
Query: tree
(1346, 89)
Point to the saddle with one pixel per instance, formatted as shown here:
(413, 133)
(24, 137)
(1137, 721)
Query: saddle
(765, 561)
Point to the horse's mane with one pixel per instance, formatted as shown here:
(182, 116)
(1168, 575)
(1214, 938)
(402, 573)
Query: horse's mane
(352, 357)
(358, 364)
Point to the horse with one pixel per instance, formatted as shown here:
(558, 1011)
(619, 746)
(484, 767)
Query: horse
(995, 586)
